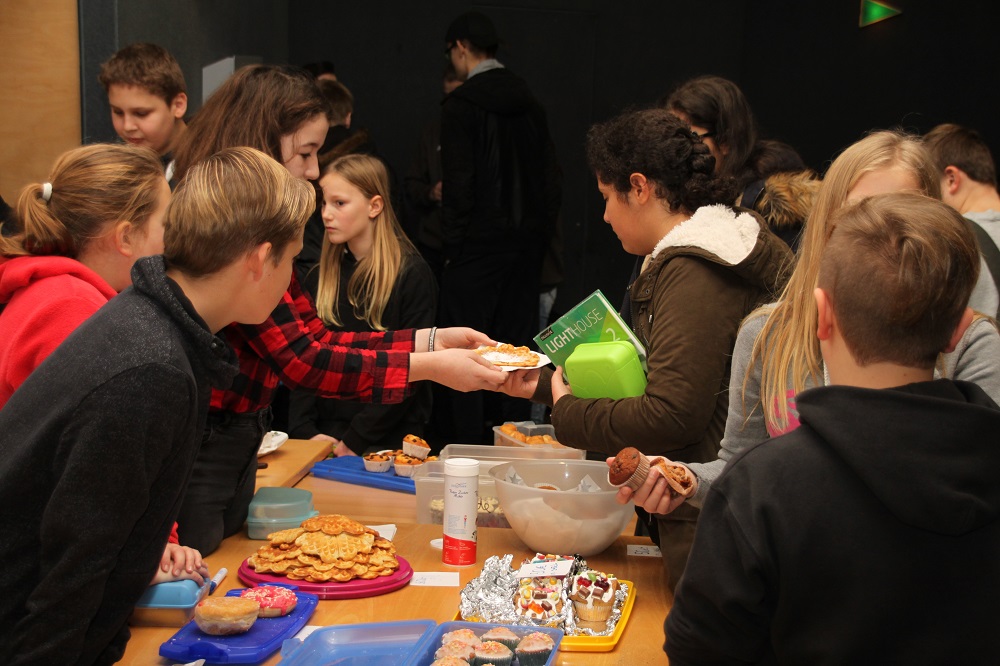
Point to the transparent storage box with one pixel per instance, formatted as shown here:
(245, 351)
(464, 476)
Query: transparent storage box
(429, 478)
(530, 430)
(275, 509)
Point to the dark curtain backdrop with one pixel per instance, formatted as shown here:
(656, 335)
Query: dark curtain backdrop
(814, 78)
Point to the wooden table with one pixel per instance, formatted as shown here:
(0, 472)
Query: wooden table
(641, 642)
(289, 464)
(373, 506)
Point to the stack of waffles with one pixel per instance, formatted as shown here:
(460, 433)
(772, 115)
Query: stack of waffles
(324, 549)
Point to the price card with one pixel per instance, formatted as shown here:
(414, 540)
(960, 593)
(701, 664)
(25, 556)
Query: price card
(435, 578)
(545, 568)
(638, 550)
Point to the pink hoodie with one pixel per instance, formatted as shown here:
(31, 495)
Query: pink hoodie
(44, 299)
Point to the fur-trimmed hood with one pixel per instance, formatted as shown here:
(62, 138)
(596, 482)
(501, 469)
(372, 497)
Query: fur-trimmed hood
(788, 198)
(737, 238)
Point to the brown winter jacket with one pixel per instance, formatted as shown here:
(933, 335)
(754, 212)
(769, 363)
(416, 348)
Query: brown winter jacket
(687, 306)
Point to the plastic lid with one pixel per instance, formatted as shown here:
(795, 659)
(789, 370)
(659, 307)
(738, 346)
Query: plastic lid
(280, 503)
(461, 467)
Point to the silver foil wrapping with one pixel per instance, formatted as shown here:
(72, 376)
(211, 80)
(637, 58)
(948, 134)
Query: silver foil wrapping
(490, 598)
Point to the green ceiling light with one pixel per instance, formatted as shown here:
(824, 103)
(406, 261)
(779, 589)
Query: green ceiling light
(873, 11)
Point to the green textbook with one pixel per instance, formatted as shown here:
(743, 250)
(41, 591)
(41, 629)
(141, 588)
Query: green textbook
(591, 320)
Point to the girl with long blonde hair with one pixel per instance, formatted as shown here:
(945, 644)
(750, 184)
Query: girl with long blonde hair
(777, 353)
(370, 278)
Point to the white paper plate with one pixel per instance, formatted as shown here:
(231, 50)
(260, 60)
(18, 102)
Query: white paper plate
(542, 361)
(272, 442)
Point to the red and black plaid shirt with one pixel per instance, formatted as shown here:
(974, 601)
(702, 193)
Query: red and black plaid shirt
(294, 347)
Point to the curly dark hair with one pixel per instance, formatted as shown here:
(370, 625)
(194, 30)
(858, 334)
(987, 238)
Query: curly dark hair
(657, 144)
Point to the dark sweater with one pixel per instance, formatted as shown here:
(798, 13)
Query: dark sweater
(95, 451)
(869, 535)
(412, 304)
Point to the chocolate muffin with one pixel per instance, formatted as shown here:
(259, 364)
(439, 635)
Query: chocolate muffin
(629, 468)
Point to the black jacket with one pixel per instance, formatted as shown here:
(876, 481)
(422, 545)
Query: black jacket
(869, 535)
(95, 452)
(500, 179)
(361, 426)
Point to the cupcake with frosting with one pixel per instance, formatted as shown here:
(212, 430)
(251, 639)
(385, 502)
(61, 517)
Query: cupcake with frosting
(502, 635)
(457, 649)
(492, 652)
(534, 649)
(593, 595)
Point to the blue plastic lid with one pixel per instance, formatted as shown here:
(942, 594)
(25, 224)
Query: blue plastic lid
(175, 594)
(357, 644)
(264, 638)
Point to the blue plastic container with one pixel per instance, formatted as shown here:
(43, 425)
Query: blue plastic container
(264, 638)
(423, 654)
(351, 469)
(276, 509)
(168, 604)
(357, 644)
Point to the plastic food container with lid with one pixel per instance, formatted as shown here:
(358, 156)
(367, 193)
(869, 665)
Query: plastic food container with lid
(275, 509)
(168, 604)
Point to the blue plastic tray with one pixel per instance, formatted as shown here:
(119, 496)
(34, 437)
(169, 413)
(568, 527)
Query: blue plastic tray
(351, 469)
(357, 644)
(423, 654)
(264, 638)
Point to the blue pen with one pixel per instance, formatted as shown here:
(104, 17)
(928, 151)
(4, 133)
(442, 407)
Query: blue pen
(216, 579)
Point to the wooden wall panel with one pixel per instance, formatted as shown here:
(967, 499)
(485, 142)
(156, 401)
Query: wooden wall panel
(40, 80)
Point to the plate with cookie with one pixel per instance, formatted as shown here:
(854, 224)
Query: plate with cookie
(508, 358)
(331, 556)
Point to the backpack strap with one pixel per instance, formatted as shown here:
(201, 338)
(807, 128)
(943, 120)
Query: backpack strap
(991, 254)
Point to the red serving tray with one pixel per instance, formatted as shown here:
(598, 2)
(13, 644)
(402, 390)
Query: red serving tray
(354, 589)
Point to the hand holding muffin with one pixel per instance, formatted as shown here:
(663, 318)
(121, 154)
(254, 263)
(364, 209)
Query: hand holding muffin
(660, 492)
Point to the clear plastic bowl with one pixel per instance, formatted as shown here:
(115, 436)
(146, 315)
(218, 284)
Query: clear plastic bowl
(565, 521)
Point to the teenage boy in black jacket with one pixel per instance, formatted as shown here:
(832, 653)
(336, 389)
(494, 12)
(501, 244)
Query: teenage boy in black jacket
(500, 198)
(97, 445)
(869, 535)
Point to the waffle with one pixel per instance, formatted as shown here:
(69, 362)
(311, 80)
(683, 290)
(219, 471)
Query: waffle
(326, 548)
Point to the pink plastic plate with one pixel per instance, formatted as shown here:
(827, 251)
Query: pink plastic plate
(354, 589)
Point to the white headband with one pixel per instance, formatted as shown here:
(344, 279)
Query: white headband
(46, 191)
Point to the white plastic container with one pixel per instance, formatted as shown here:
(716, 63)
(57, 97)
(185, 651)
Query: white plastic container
(429, 480)
(461, 502)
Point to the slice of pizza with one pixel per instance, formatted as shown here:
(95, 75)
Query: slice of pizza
(509, 356)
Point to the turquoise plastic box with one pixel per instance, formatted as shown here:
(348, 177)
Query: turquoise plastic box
(275, 509)
(605, 370)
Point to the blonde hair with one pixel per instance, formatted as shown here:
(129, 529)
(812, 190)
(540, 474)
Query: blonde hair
(371, 284)
(92, 187)
(229, 204)
(787, 347)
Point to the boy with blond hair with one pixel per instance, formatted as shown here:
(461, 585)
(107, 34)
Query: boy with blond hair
(147, 95)
(869, 534)
(97, 445)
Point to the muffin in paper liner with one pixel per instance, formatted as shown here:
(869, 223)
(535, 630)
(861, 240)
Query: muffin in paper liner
(629, 468)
